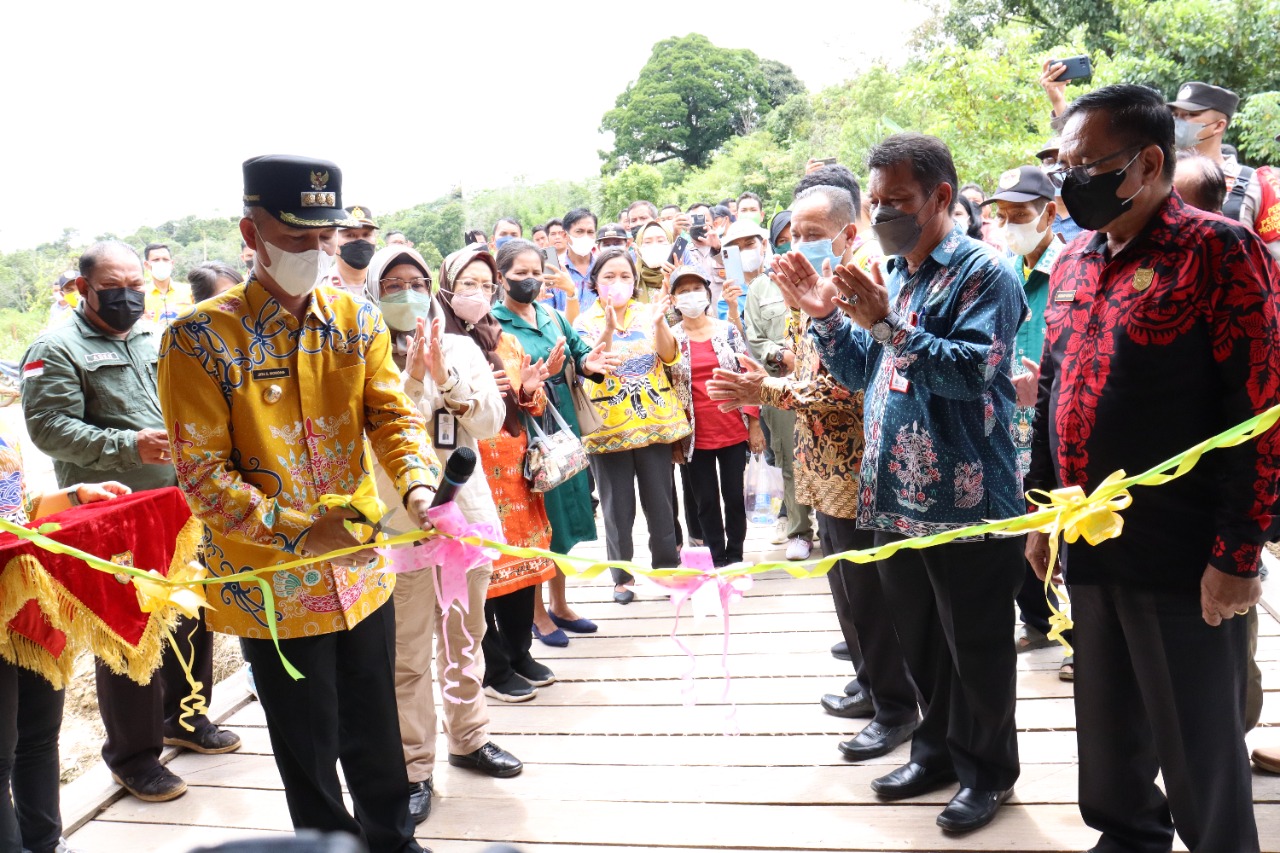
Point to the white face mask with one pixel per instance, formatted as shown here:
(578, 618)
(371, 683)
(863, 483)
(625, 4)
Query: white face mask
(692, 304)
(1023, 238)
(297, 273)
(752, 260)
(655, 254)
(582, 246)
(161, 270)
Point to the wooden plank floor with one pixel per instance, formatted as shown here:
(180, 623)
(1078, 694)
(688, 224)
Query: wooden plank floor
(616, 763)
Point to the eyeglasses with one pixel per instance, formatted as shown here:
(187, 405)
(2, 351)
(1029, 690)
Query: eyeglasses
(400, 285)
(1084, 172)
(467, 285)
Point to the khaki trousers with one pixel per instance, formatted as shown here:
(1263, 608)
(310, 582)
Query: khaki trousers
(418, 631)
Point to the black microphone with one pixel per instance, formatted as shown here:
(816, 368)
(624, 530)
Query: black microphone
(459, 468)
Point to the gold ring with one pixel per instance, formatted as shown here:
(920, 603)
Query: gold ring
(1242, 612)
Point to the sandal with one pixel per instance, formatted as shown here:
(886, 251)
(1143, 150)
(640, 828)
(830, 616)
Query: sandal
(1067, 672)
(1028, 639)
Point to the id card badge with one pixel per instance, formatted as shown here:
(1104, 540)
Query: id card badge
(445, 426)
(899, 383)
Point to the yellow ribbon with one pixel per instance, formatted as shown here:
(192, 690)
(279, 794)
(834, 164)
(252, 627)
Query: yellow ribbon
(179, 591)
(365, 501)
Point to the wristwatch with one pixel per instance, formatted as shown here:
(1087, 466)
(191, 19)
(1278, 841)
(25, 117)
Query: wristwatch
(450, 383)
(777, 358)
(883, 330)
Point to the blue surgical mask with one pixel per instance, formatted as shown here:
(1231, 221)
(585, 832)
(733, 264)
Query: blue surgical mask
(402, 310)
(502, 241)
(817, 251)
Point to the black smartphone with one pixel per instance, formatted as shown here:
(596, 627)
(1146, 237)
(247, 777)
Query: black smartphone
(1078, 68)
(677, 249)
(698, 226)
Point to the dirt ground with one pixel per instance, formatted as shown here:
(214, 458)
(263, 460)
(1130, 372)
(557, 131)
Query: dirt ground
(82, 731)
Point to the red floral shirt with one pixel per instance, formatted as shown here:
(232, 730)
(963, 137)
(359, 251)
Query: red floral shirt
(1170, 342)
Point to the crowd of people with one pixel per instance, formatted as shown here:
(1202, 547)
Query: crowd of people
(914, 356)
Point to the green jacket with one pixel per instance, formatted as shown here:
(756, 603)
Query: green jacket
(85, 395)
(766, 322)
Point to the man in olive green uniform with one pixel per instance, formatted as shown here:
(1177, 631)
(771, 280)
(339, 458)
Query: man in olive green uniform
(89, 397)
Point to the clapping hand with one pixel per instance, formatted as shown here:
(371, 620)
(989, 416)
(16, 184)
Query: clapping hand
(734, 390)
(802, 286)
(863, 297)
(555, 359)
(504, 381)
(600, 360)
(426, 354)
(532, 375)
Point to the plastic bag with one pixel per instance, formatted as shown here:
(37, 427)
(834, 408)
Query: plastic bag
(763, 491)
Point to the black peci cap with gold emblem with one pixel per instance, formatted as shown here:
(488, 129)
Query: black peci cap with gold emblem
(299, 191)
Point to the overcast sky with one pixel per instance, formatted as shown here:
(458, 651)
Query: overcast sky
(130, 113)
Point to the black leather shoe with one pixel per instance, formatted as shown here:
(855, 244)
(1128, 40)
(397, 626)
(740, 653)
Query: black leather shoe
(623, 596)
(972, 809)
(420, 800)
(876, 740)
(489, 759)
(853, 688)
(848, 706)
(911, 780)
(840, 651)
(157, 785)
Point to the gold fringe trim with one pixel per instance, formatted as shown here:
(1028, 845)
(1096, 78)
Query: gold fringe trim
(24, 579)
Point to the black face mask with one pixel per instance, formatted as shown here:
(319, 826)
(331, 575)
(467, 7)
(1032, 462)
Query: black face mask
(525, 290)
(1095, 205)
(357, 253)
(120, 307)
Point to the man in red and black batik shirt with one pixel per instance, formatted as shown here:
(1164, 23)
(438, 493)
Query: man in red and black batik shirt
(1162, 331)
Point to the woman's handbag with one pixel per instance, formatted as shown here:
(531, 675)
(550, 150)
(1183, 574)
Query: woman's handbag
(552, 459)
(589, 419)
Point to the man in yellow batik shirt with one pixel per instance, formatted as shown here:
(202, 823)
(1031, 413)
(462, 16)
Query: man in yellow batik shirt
(166, 299)
(269, 391)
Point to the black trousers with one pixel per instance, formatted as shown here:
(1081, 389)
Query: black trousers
(867, 625)
(951, 605)
(508, 633)
(619, 475)
(1158, 690)
(690, 509)
(1032, 605)
(30, 720)
(343, 711)
(137, 717)
(713, 476)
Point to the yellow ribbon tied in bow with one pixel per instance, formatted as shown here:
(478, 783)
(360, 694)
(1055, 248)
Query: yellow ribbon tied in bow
(366, 502)
(156, 592)
(1068, 511)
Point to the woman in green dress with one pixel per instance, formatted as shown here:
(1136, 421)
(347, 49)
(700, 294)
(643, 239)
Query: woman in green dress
(541, 330)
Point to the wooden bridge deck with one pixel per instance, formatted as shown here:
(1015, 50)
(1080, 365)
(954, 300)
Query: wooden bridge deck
(615, 762)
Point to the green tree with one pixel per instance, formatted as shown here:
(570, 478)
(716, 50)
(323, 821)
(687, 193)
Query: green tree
(690, 98)
(780, 81)
(1255, 126)
(969, 22)
(639, 181)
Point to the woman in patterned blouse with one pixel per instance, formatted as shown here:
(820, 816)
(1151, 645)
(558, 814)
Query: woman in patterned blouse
(715, 451)
(468, 286)
(642, 417)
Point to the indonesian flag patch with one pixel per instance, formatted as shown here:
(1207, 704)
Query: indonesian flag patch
(32, 369)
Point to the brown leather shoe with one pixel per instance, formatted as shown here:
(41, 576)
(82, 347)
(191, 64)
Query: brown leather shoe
(157, 785)
(210, 740)
(1267, 760)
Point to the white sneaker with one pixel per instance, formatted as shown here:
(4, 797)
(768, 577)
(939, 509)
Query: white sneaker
(780, 532)
(799, 549)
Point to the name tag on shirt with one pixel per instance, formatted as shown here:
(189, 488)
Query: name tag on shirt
(1064, 296)
(445, 427)
(899, 383)
(100, 357)
(271, 373)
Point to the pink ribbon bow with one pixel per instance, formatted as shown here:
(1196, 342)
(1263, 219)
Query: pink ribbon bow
(716, 592)
(450, 559)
